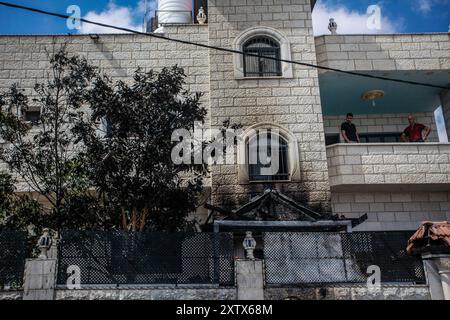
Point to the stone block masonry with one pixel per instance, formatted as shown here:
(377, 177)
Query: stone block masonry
(40, 279)
(293, 103)
(25, 59)
(250, 279)
(148, 294)
(392, 210)
(385, 52)
(389, 164)
(399, 186)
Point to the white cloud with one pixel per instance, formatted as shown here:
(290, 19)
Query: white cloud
(425, 5)
(113, 14)
(349, 21)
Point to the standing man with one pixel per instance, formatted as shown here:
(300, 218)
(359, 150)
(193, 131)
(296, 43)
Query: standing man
(348, 130)
(414, 132)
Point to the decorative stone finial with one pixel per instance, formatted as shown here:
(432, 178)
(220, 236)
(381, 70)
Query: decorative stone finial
(249, 245)
(44, 243)
(332, 26)
(201, 17)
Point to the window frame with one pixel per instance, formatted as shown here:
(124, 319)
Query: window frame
(283, 155)
(273, 49)
(274, 35)
(293, 164)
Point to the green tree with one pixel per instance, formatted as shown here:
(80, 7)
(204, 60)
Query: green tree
(18, 212)
(123, 178)
(130, 163)
(46, 157)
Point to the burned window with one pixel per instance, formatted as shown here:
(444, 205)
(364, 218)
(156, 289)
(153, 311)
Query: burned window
(268, 156)
(33, 117)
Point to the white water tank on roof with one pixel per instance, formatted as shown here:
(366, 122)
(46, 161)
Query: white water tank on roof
(174, 11)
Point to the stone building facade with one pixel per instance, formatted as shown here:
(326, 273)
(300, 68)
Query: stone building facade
(398, 185)
(291, 101)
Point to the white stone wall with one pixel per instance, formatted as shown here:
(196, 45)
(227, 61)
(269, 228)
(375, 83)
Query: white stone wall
(381, 123)
(385, 52)
(392, 210)
(378, 165)
(167, 293)
(445, 98)
(293, 103)
(398, 185)
(25, 59)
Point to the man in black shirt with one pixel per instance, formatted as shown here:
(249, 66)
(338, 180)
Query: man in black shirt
(348, 130)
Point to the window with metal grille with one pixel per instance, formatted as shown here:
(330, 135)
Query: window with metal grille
(257, 65)
(33, 117)
(258, 169)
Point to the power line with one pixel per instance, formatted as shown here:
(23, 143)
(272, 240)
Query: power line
(159, 36)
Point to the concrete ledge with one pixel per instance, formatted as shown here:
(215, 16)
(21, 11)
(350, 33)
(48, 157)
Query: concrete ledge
(349, 292)
(397, 164)
(250, 279)
(422, 51)
(11, 295)
(148, 294)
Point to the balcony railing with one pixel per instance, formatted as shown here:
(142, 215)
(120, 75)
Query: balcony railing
(395, 164)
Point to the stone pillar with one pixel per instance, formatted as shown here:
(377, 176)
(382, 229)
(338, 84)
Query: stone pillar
(40, 274)
(39, 279)
(443, 265)
(445, 99)
(437, 269)
(250, 279)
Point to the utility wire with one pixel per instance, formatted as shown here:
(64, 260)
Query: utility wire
(159, 36)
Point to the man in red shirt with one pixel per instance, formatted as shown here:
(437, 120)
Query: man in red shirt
(414, 132)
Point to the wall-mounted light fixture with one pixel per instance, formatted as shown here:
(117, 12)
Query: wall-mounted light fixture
(373, 95)
(94, 36)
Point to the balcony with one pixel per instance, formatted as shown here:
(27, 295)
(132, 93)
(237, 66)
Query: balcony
(389, 167)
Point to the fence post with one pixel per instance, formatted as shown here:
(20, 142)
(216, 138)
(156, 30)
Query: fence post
(250, 279)
(40, 274)
(250, 273)
(437, 270)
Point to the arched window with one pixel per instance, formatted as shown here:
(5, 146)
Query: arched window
(262, 42)
(268, 151)
(256, 64)
(268, 157)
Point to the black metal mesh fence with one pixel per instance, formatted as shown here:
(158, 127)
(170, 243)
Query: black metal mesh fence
(123, 258)
(13, 252)
(311, 258)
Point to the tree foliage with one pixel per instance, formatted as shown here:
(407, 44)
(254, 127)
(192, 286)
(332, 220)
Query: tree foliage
(46, 157)
(121, 178)
(18, 212)
(130, 163)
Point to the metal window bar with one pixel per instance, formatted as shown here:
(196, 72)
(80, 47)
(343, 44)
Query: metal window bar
(327, 258)
(123, 258)
(283, 170)
(13, 252)
(259, 66)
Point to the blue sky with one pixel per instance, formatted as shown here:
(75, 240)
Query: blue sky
(397, 15)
